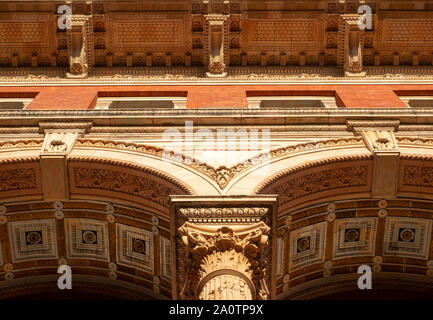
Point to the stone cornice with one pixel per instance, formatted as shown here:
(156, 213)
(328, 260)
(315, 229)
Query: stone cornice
(212, 116)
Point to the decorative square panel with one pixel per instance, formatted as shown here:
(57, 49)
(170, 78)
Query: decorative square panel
(147, 30)
(87, 239)
(33, 239)
(407, 237)
(354, 237)
(27, 32)
(307, 245)
(165, 257)
(135, 247)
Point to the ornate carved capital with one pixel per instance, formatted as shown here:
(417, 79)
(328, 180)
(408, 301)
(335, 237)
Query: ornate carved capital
(223, 250)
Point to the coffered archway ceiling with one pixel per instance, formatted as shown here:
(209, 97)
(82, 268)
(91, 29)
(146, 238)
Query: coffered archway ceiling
(328, 224)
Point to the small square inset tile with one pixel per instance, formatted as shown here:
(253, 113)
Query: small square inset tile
(33, 239)
(307, 245)
(87, 239)
(135, 247)
(354, 237)
(407, 237)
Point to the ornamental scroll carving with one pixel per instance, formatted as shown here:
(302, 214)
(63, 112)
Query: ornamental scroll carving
(225, 262)
(17, 179)
(315, 182)
(92, 178)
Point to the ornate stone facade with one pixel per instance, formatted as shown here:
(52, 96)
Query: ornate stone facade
(301, 148)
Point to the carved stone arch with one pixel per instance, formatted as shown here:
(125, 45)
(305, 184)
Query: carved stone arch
(96, 178)
(257, 171)
(198, 176)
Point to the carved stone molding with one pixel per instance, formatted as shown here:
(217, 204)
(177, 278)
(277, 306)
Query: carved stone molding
(223, 247)
(365, 125)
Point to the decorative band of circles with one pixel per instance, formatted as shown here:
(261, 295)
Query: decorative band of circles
(331, 207)
(328, 265)
(9, 276)
(3, 219)
(111, 218)
(155, 220)
(382, 203)
(155, 230)
(112, 275)
(3, 210)
(58, 205)
(331, 216)
(382, 213)
(286, 278)
(377, 260)
(110, 208)
(156, 280)
(8, 267)
(430, 263)
(63, 261)
(286, 287)
(430, 272)
(59, 214)
(377, 268)
(327, 273)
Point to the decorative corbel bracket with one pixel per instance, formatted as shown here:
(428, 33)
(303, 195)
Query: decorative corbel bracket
(222, 247)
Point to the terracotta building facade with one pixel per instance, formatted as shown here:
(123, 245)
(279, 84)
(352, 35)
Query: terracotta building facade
(216, 149)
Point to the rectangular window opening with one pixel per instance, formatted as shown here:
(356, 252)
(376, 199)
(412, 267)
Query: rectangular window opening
(14, 103)
(138, 103)
(418, 102)
(290, 102)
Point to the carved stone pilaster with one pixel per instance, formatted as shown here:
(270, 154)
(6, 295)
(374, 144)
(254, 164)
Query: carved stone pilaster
(351, 45)
(80, 42)
(216, 32)
(223, 247)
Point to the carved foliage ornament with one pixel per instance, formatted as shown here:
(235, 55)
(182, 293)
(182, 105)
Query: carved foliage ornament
(122, 182)
(211, 254)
